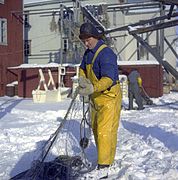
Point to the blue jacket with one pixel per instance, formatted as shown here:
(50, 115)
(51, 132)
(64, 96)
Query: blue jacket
(105, 64)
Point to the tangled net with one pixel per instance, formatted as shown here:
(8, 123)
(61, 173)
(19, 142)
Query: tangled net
(69, 165)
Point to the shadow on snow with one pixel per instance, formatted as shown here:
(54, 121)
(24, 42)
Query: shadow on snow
(167, 138)
(7, 106)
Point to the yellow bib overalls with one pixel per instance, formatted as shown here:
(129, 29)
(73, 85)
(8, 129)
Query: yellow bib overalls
(105, 115)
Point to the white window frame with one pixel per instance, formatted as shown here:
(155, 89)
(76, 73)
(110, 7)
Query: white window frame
(1, 1)
(3, 31)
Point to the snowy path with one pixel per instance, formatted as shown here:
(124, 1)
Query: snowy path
(147, 140)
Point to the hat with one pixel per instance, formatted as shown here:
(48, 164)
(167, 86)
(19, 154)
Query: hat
(89, 30)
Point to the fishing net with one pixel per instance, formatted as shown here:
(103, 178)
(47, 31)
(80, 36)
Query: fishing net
(67, 145)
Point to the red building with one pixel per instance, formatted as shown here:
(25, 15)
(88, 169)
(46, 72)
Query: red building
(151, 73)
(11, 41)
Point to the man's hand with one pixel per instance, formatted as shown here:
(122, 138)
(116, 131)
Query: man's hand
(85, 86)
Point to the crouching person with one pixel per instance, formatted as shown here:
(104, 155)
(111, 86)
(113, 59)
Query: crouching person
(99, 79)
(134, 89)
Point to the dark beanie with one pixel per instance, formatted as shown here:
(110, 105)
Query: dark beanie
(88, 30)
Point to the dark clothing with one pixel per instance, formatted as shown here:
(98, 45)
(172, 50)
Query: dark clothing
(134, 90)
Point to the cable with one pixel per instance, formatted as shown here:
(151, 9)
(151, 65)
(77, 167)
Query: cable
(83, 139)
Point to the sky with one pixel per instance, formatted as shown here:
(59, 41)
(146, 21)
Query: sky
(147, 145)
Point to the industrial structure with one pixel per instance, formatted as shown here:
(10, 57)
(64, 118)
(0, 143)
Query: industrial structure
(53, 21)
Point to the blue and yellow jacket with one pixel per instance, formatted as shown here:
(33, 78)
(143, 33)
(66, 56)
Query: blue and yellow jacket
(104, 67)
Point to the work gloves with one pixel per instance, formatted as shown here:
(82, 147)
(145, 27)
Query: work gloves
(85, 87)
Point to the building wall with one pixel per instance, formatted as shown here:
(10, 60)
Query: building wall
(119, 37)
(11, 54)
(29, 78)
(130, 52)
(152, 77)
(46, 44)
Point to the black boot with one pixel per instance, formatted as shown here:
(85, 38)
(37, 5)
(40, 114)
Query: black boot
(101, 166)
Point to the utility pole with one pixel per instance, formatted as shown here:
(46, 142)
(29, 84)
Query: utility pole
(161, 45)
(61, 30)
(61, 49)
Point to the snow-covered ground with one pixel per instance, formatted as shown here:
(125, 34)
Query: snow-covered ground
(147, 140)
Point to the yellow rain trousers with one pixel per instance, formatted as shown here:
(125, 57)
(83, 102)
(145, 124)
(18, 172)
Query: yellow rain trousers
(105, 113)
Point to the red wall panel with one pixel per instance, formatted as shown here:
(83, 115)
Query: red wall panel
(29, 78)
(12, 53)
(152, 77)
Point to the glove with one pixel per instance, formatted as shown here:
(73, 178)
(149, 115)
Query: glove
(86, 99)
(83, 82)
(85, 87)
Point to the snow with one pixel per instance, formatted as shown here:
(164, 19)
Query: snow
(147, 147)
(38, 1)
(33, 1)
(138, 62)
(49, 65)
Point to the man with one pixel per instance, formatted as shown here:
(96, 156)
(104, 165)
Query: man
(99, 79)
(135, 83)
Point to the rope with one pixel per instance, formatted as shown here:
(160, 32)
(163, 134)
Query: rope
(83, 139)
(145, 92)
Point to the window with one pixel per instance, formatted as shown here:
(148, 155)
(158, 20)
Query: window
(1, 1)
(3, 31)
(26, 19)
(27, 47)
(65, 45)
